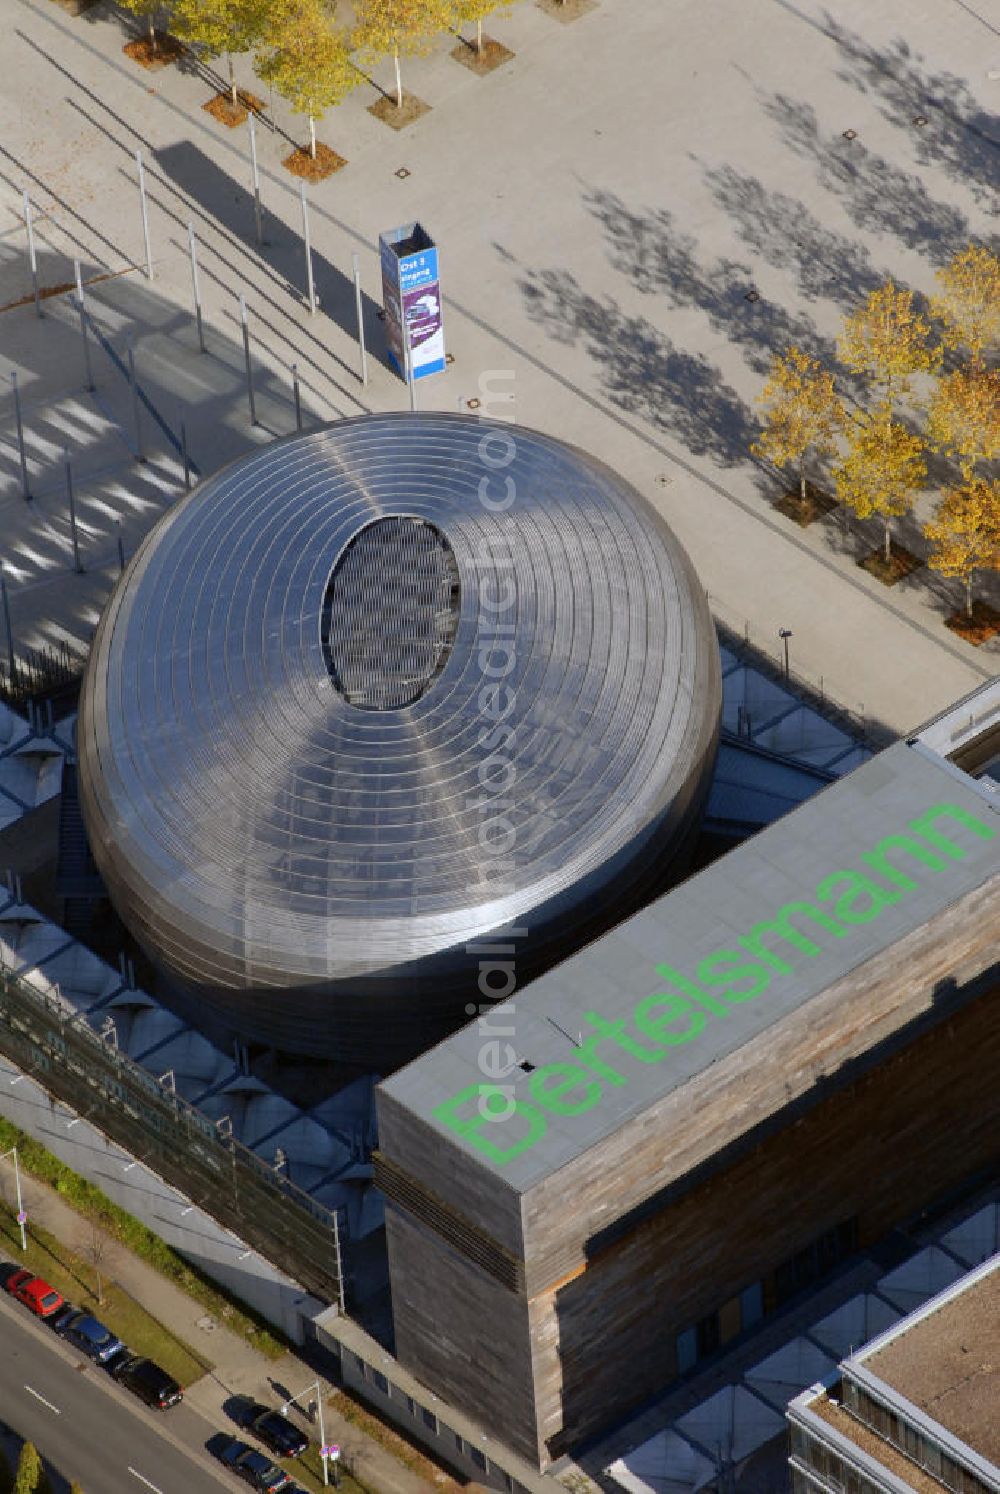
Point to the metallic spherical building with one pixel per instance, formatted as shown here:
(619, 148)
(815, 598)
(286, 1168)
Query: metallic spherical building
(372, 693)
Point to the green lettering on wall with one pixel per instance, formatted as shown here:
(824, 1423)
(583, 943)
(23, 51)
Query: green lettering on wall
(493, 1121)
(878, 859)
(782, 929)
(474, 1125)
(569, 1076)
(922, 826)
(586, 1055)
(615, 1032)
(848, 889)
(672, 1008)
(727, 968)
(672, 977)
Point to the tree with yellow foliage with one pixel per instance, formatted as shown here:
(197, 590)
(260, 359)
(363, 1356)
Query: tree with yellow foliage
(965, 532)
(400, 28)
(467, 11)
(146, 10)
(882, 470)
(31, 1476)
(888, 341)
(307, 58)
(217, 26)
(969, 301)
(802, 413)
(963, 417)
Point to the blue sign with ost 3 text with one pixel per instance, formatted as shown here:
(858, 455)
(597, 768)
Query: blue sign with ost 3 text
(411, 292)
(418, 269)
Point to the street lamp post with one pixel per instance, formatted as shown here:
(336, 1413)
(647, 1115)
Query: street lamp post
(784, 634)
(21, 1215)
(11, 661)
(326, 1450)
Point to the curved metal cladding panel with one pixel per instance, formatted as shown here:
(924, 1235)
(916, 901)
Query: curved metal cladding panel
(373, 692)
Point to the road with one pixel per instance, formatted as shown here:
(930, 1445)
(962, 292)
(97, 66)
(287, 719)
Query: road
(89, 1428)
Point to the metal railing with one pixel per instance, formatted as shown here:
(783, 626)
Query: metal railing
(232, 1184)
(40, 674)
(764, 652)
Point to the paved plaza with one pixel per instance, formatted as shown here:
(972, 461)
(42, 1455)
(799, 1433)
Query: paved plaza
(607, 205)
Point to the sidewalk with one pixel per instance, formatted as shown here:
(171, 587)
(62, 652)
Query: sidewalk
(239, 1369)
(624, 245)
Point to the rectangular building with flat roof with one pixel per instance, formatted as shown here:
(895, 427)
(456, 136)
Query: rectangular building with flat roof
(599, 1182)
(918, 1408)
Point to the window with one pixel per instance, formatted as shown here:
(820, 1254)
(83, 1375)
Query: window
(752, 1304)
(687, 1351)
(380, 1382)
(730, 1320)
(709, 1336)
(814, 1260)
(411, 1405)
(478, 1457)
(430, 1420)
(694, 1343)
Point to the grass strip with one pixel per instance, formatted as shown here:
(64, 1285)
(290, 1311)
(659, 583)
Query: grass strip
(404, 1451)
(308, 1471)
(92, 1204)
(77, 1281)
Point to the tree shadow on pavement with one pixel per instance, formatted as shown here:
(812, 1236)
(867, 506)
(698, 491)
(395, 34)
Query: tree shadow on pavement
(659, 259)
(877, 195)
(783, 232)
(959, 134)
(644, 373)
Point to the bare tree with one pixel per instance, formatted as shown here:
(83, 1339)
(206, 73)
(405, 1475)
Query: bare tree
(97, 1250)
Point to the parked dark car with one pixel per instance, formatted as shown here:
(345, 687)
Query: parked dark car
(146, 1380)
(62, 1315)
(252, 1466)
(275, 1431)
(90, 1336)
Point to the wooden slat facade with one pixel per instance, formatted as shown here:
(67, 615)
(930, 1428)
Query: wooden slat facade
(864, 1104)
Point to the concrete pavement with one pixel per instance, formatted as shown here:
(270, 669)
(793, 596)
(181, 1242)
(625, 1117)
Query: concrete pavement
(605, 204)
(238, 1369)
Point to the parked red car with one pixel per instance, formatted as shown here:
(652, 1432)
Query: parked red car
(34, 1293)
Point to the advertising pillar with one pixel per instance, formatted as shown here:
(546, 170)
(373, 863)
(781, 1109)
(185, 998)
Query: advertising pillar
(411, 298)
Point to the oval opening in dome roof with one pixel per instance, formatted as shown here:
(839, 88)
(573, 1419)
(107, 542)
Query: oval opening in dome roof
(390, 613)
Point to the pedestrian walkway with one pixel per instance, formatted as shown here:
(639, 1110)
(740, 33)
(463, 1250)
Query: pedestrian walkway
(619, 266)
(238, 1368)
